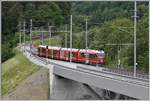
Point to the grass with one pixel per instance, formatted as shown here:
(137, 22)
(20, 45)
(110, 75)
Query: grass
(16, 70)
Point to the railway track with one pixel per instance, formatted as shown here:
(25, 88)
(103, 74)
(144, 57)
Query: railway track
(125, 72)
(116, 71)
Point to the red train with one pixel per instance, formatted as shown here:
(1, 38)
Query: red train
(78, 55)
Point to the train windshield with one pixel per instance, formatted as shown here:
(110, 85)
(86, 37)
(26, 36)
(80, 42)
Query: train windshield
(101, 54)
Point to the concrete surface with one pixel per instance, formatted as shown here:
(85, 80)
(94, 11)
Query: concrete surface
(66, 89)
(118, 86)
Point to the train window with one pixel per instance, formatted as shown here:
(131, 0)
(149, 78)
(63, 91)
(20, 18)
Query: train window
(61, 53)
(55, 53)
(92, 56)
(83, 55)
(66, 54)
(49, 52)
(73, 54)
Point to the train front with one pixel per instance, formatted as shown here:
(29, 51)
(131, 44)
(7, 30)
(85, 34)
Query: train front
(101, 56)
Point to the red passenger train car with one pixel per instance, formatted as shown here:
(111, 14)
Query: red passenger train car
(93, 57)
(65, 54)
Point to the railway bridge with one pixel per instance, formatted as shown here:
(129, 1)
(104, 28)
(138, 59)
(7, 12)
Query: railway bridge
(135, 87)
(132, 85)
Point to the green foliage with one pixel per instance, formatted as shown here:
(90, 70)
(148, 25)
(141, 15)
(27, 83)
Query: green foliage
(41, 12)
(110, 17)
(108, 23)
(110, 33)
(6, 52)
(142, 44)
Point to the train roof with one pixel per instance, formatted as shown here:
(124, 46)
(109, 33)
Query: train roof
(89, 50)
(50, 47)
(54, 47)
(43, 46)
(69, 49)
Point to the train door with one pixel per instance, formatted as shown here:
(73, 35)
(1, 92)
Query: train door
(93, 59)
(49, 53)
(40, 51)
(82, 57)
(86, 57)
(74, 56)
(67, 55)
(55, 54)
(62, 54)
(44, 52)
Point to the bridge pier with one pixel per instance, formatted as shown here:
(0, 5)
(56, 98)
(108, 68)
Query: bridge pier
(66, 89)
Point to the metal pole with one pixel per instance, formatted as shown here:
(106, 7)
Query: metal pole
(86, 46)
(20, 33)
(49, 35)
(24, 33)
(42, 34)
(66, 37)
(86, 35)
(149, 33)
(118, 56)
(71, 37)
(135, 15)
(30, 35)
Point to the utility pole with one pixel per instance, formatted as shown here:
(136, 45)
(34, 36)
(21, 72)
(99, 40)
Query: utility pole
(149, 33)
(24, 30)
(86, 44)
(30, 35)
(86, 34)
(118, 56)
(50, 33)
(66, 37)
(71, 38)
(42, 35)
(20, 32)
(135, 21)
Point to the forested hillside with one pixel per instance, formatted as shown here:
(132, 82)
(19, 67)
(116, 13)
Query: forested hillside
(13, 12)
(108, 23)
(112, 23)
